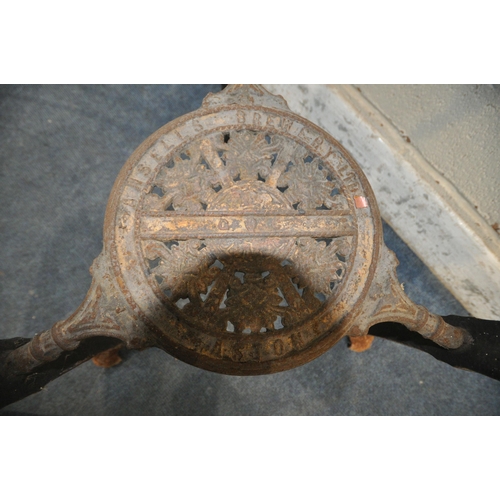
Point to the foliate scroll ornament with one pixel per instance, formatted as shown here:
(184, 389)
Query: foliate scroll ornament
(103, 313)
(223, 285)
(253, 95)
(249, 284)
(175, 264)
(188, 181)
(324, 261)
(387, 302)
(306, 182)
(181, 184)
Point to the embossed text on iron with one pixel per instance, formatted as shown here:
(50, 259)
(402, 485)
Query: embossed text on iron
(258, 225)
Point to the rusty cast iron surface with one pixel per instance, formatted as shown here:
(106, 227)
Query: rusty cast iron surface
(242, 239)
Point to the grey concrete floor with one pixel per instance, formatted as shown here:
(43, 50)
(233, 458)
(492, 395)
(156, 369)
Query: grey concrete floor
(61, 148)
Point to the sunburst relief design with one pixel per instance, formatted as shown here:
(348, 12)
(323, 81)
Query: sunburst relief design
(240, 285)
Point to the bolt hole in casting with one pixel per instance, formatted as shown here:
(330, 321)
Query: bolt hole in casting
(244, 240)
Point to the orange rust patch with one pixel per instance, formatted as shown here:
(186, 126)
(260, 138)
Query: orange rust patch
(360, 344)
(108, 358)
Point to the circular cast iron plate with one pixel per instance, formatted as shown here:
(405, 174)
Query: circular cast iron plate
(244, 237)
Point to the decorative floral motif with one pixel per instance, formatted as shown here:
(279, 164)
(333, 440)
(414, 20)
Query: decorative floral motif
(306, 182)
(174, 264)
(249, 154)
(251, 292)
(258, 284)
(322, 261)
(220, 161)
(184, 184)
(245, 94)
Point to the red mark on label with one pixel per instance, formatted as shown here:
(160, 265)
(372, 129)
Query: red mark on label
(360, 202)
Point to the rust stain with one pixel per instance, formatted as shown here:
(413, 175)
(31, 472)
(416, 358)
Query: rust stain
(109, 358)
(361, 344)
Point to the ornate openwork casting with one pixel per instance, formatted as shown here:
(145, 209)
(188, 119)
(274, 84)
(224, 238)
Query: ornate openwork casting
(242, 239)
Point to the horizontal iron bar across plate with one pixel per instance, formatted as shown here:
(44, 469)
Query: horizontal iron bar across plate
(215, 225)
